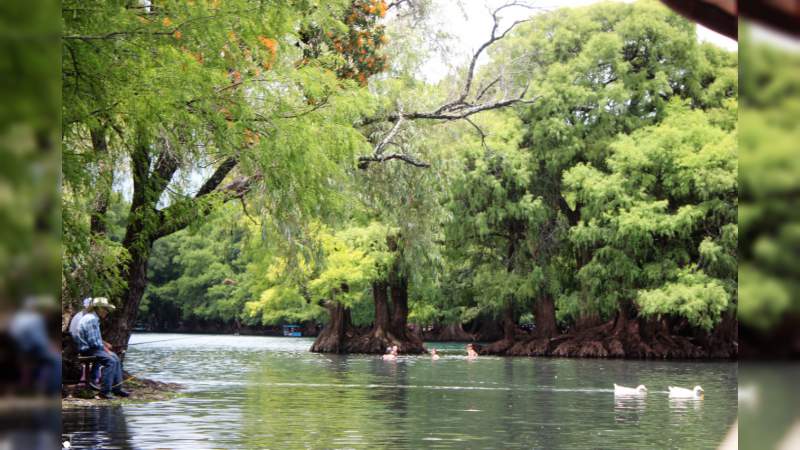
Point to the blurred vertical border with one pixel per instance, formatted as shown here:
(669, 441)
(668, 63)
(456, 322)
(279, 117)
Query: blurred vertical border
(769, 226)
(30, 169)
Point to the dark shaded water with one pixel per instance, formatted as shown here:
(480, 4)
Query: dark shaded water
(263, 392)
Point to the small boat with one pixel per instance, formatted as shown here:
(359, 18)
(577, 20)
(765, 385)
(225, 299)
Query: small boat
(292, 331)
(622, 390)
(679, 392)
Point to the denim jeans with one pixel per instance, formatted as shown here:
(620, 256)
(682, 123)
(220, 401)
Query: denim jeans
(112, 369)
(47, 372)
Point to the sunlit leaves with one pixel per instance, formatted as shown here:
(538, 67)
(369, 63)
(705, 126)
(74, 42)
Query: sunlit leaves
(667, 203)
(693, 295)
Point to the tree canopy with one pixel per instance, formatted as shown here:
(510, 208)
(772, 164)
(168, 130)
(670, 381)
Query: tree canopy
(286, 163)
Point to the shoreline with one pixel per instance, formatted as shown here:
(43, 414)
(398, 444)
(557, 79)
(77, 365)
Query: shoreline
(482, 346)
(142, 390)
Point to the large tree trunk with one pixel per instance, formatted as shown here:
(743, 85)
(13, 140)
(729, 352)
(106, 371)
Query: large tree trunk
(399, 292)
(509, 332)
(381, 336)
(333, 337)
(624, 312)
(410, 342)
(545, 317)
(509, 324)
(120, 324)
(388, 329)
(146, 224)
(380, 297)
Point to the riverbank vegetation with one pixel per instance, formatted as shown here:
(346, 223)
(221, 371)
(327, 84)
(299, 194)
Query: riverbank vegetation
(233, 165)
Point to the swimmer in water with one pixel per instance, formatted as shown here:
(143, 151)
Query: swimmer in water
(471, 353)
(392, 355)
(434, 355)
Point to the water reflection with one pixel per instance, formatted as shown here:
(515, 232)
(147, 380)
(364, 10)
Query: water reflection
(28, 425)
(629, 409)
(684, 405)
(96, 427)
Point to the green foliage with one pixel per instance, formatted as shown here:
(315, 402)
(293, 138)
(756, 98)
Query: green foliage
(693, 295)
(616, 187)
(661, 219)
(194, 273)
(196, 84)
(768, 215)
(494, 217)
(625, 174)
(348, 262)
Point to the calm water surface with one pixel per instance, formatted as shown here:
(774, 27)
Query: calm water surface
(265, 392)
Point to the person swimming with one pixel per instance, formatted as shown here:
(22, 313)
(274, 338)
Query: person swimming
(392, 353)
(471, 353)
(434, 355)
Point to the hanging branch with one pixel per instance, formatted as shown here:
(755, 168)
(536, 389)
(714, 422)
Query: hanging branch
(458, 109)
(480, 131)
(364, 161)
(392, 133)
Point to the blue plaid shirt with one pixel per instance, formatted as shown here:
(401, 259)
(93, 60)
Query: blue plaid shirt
(89, 337)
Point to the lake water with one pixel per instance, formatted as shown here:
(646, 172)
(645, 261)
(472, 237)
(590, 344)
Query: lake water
(267, 392)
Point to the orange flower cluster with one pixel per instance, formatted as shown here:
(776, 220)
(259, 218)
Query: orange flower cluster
(361, 45)
(272, 46)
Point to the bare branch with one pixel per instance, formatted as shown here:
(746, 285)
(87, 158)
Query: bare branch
(388, 139)
(364, 161)
(480, 132)
(216, 178)
(494, 37)
(466, 110)
(396, 4)
(461, 107)
(486, 88)
(180, 214)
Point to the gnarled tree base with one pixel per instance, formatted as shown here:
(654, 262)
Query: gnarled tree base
(449, 333)
(634, 339)
(373, 342)
(376, 343)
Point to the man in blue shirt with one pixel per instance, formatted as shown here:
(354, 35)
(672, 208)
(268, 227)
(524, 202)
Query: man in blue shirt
(90, 343)
(76, 319)
(73, 331)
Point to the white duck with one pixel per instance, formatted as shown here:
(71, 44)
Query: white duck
(677, 392)
(622, 390)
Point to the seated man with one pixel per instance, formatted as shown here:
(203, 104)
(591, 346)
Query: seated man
(73, 331)
(76, 319)
(90, 343)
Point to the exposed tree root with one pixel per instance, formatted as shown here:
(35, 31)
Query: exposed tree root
(635, 339)
(449, 333)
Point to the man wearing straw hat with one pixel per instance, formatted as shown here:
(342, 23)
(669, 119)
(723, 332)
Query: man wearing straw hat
(90, 343)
